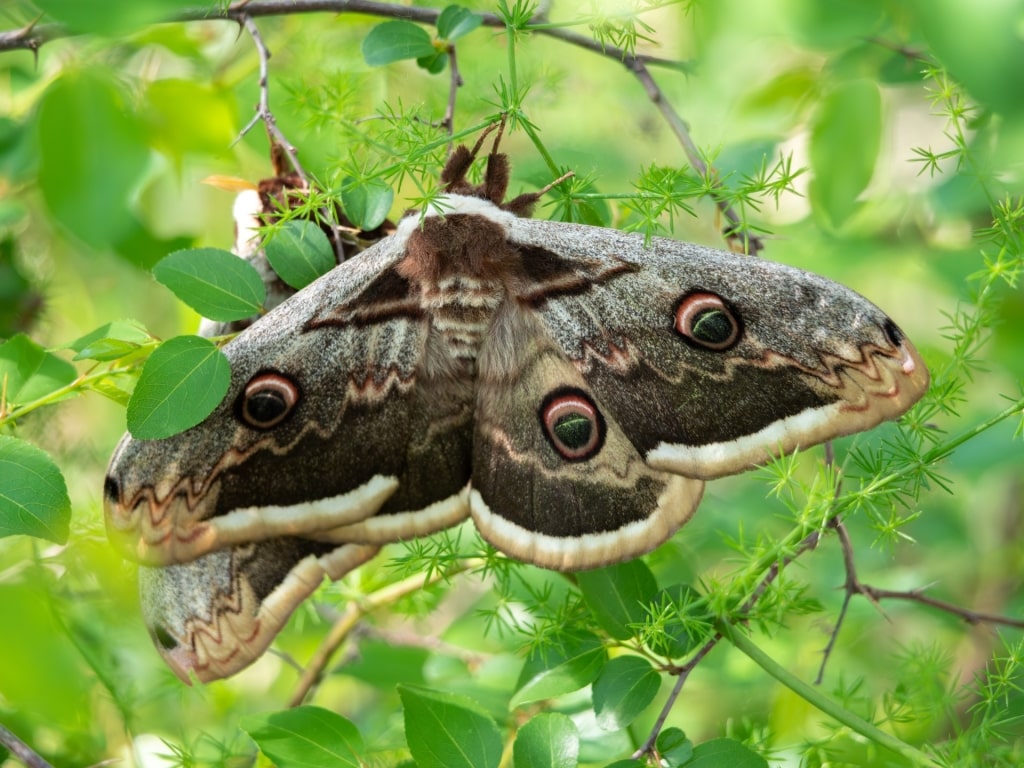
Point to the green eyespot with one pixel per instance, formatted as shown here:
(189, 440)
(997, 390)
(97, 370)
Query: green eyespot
(704, 320)
(572, 424)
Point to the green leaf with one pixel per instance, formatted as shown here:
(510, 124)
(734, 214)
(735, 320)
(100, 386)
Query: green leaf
(182, 382)
(394, 41)
(844, 148)
(554, 670)
(549, 740)
(616, 595)
(300, 253)
(306, 737)
(721, 752)
(434, 63)
(88, 175)
(367, 203)
(28, 372)
(675, 748)
(115, 18)
(980, 44)
(215, 283)
(33, 497)
(385, 665)
(456, 21)
(172, 106)
(445, 730)
(111, 341)
(624, 689)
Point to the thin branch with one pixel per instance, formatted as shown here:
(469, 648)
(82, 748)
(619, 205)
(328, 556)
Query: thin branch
(454, 84)
(277, 137)
(263, 111)
(637, 64)
(647, 748)
(354, 613)
(21, 750)
(807, 544)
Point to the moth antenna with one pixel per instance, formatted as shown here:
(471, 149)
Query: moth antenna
(497, 139)
(496, 177)
(487, 132)
(454, 172)
(523, 204)
(453, 175)
(548, 187)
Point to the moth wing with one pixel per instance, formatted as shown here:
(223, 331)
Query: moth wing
(215, 615)
(366, 442)
(810, 360)
(603, 328)
(556, 481)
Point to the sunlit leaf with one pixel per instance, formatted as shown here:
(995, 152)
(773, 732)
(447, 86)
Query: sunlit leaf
(616, 595)
(445, 730)
(33, 497)
(394, 41)
(624, 689)
(306, 737)
(215, 283)
(555, 670)
(28, 372)
(182, 382)
(111, 341)
(549, 740)
(844, 148)
(87, 175)
(300, 253)
(456, 21)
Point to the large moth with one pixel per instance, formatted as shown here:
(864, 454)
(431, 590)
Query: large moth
(569, 387)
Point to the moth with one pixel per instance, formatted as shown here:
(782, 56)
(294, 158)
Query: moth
(568, 387)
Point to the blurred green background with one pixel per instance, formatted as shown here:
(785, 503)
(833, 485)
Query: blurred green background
(106, 134)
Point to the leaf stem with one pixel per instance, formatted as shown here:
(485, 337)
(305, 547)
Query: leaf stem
(82, 382)
(820, 701)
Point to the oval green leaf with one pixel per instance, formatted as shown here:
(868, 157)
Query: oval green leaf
(456, 21)
(367, 203)
(549, 740)
(306, 737)
(215, 283)
(111, 341)
(181, 383)
(33, 496)
(300, 253)
(28, 372)
(624, 689)
(555, 670)
(844, 148)
(721, 752)
(444, 730)
(88, 175)
(616, 595)
(675, 748)
(434, 63)
(394, 41)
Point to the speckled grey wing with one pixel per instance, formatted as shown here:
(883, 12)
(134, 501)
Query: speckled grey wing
(661, 365)
(215, 615)
(326, 424)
